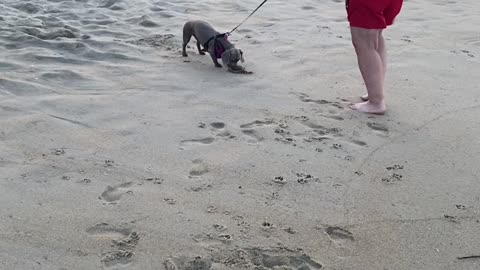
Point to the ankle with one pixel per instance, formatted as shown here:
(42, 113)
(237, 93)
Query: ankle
(376, 101)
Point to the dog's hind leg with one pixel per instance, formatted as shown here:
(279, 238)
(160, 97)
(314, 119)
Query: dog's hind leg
(200, 50)
(184, 47)
(186, 38)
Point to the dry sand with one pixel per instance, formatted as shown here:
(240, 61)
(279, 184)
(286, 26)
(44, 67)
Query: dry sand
(117, 153)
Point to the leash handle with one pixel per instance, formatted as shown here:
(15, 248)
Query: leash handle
(251, 14)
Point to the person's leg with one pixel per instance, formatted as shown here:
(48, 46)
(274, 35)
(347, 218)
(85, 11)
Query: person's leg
(367, 45)
(389, 13)
(382, 51)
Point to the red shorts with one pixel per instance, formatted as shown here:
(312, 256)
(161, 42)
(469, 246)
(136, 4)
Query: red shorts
(372, 14)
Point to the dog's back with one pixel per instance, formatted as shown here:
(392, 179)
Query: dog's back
(201, 30)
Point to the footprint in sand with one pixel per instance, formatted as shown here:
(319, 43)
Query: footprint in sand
(226, 238)
(113, 194)
(166, 41)
(253, 135)
(406, 39)
(207, 239)
(343, 240)
(58, 151)
(305, 98)
(118, 258)
(326, 134)
(109, 163)
(323, 131)
(308, 8)
(359, 143)
(218, 125)
(393, 178)
(218, 129)
(377, 126)
(123, 242)
(303, 178)
(333, 107)
(84, 181)
(170, 201)
(334, 117)
(280, 180)
(258, 123)
(252, 258)
(267, 226)
(198, 263)
(286, 140)
(219, 227)
(212, 209)
(279, 259)
(154, 180)
(204, 141)
(169, 265)
(339, 235)
(337, 146)
(395, 175)
(249, 131)
(200, 188)
(465, 52)
(199, 169)
(395, 167)
(381, 129)
(105, 231)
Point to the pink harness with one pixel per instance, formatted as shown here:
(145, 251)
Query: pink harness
(218, 47)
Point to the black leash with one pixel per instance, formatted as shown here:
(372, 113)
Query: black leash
(205, 46)
(251, 14)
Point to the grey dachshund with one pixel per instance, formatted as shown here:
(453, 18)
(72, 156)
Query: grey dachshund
(213, 42)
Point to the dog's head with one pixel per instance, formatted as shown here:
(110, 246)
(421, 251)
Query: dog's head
(231, 57)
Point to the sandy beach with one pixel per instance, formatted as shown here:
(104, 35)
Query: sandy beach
(118, 153)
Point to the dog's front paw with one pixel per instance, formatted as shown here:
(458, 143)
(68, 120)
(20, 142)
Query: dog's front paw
(218, 65)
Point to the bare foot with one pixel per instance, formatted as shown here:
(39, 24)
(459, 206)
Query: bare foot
(368, 107)
(364, 97)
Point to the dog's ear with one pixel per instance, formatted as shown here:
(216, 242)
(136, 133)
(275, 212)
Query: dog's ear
(226, 57)
(242, 59)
